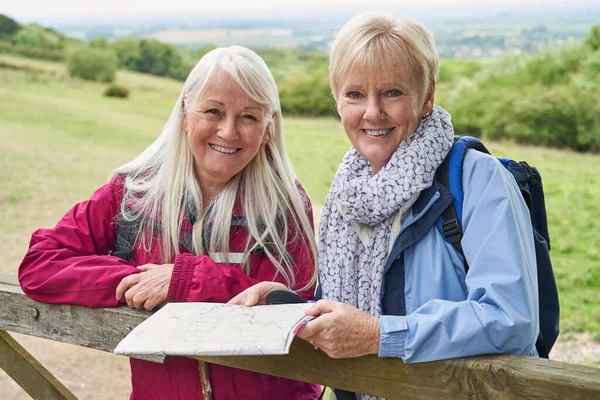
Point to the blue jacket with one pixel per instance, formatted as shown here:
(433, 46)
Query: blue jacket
(430, 310)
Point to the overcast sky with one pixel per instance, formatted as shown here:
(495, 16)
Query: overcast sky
(20, 9)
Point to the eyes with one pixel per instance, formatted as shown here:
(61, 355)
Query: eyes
(356, 95)
(216, 112)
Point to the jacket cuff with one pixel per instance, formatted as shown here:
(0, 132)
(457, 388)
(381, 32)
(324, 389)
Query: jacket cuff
(392, 336)
(181, 279)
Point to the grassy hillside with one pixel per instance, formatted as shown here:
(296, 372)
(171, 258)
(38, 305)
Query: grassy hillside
(60, 138)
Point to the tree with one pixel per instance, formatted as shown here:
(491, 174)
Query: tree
(8, 26)
(93, 64)
(157, 58)
(128, 52)
(38, 36)
(593, 38)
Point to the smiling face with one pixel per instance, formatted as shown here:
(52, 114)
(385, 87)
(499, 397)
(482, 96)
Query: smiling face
(225, 129)
(379, 110)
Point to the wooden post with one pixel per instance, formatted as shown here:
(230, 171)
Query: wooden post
(36, 380)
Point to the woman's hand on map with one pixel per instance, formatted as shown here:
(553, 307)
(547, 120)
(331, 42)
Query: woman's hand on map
(257, 294)
(341, 331)
(147, 289)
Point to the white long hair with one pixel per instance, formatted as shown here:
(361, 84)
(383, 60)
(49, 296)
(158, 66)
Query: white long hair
(161, 184)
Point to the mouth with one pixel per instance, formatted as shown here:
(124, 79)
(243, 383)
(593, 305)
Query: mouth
(223, 150)
(377, 132)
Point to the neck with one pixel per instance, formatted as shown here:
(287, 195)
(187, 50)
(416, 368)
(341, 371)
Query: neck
(210, 190)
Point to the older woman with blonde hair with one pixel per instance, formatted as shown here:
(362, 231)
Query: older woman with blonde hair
(209, 209)
(393, 286)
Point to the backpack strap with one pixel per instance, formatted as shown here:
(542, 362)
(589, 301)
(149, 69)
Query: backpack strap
(449, 175)
(127, 232)
(127, 235)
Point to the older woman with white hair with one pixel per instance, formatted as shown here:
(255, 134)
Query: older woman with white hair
(209, 209)
(393, 286)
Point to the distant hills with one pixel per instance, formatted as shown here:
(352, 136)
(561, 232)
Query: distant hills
(461, 32)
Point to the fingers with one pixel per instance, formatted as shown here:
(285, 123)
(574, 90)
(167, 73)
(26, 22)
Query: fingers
(129, 296)
(126, 283)
(256, 294)
(323, 307)
(148, 267)
(313, 328)
(139, 299)
(240, 299)
(251, 299)
(151, 303)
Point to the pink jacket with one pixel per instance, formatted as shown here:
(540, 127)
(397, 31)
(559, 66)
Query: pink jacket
(70, 265)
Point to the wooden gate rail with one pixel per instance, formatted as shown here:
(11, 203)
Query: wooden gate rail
(498, 376)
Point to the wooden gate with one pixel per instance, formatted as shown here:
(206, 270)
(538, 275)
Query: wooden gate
(481, 377)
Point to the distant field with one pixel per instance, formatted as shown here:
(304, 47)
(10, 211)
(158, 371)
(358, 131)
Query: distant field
(60, 138)
(259, 38)
(181, 36)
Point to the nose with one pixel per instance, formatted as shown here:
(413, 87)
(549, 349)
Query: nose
(228, 129)
(374, 111)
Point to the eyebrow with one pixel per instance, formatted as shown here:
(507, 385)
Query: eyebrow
(216, 102)
(223, 105)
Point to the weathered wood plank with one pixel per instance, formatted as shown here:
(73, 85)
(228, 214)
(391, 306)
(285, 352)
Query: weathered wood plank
(389, 378)
(100, 328)
(36, 380)
(504, 376)
(498, 376)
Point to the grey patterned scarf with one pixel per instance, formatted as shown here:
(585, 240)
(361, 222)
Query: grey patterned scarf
(350, 271)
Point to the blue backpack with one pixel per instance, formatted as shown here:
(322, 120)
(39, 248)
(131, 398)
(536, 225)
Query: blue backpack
(449, 174)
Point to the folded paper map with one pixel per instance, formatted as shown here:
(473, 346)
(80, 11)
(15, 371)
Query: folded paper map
(187, 329)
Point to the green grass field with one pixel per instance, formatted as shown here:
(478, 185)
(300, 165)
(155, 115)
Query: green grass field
(60, 138)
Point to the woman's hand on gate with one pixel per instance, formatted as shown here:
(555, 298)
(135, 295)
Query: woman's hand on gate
(341, 331)
(147, 289)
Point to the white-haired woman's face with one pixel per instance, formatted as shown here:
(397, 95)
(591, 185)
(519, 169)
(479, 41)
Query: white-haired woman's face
(225, 130)
(379, 111)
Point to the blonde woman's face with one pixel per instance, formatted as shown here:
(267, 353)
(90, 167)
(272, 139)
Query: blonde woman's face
(380, 110)
(225, 130)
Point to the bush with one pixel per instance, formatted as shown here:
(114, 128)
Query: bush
(554, 117)
(93, 64)
(117, 91)
(307, 92)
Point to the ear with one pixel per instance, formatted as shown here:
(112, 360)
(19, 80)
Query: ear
(184, 123)
(266, 133)
(183, 117)
(429, 101)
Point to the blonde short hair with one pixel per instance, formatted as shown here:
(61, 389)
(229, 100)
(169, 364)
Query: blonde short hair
(379, 42)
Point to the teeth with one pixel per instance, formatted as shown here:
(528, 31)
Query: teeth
(378, 132)
(223, 149)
